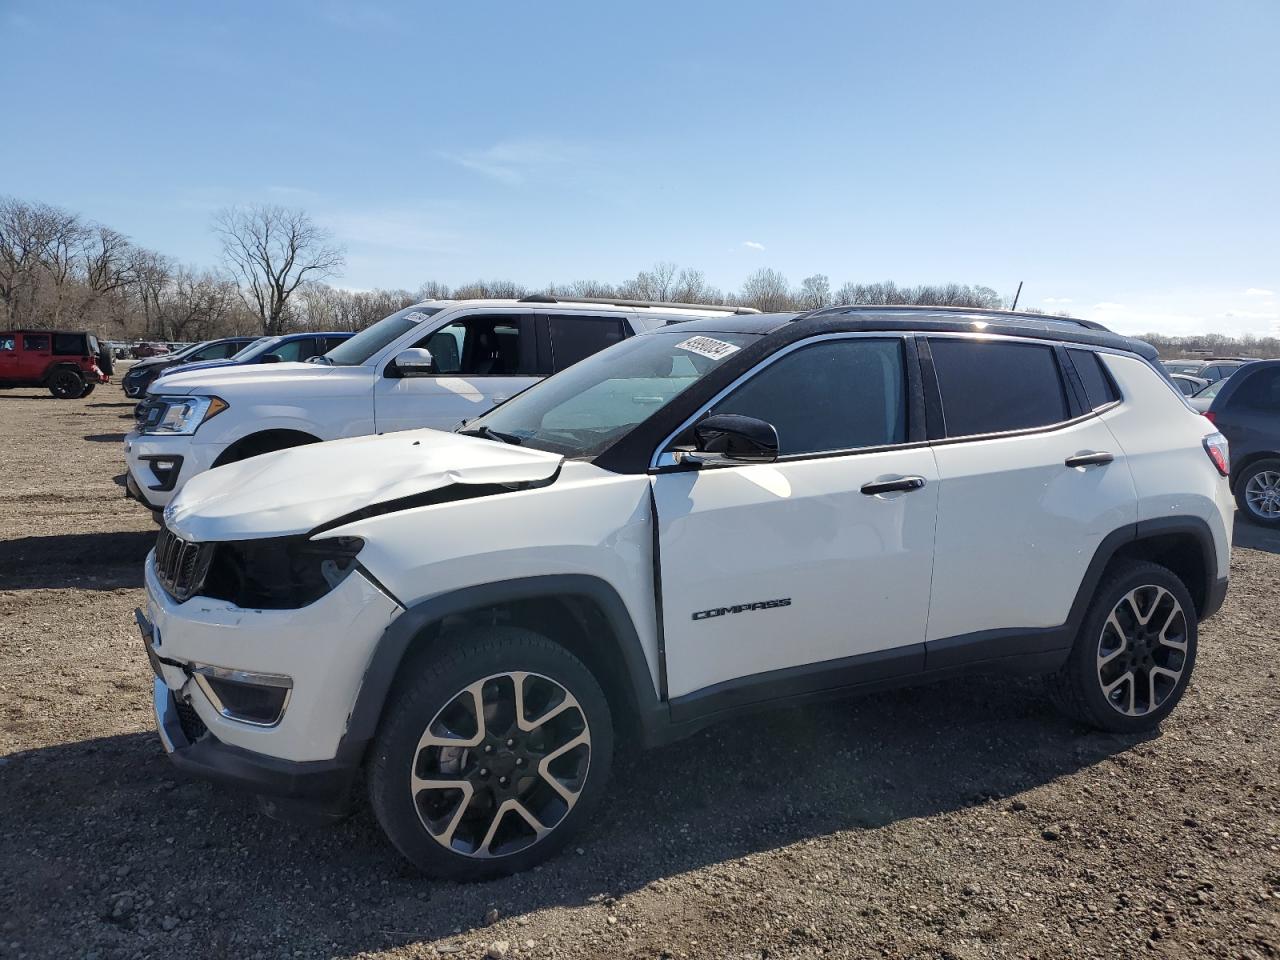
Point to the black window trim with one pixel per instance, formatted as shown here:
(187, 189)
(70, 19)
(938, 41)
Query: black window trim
(916, 438)
(933, 394)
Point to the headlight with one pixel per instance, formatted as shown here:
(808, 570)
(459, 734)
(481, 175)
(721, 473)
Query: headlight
(180, 415)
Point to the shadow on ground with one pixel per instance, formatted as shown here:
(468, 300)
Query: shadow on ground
(105, 437)
(87, 561)
(1254, 536)
(90, 822)
(128, 403)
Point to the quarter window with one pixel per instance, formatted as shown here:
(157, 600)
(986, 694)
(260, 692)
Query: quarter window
(69, 344)
(834, 395)
(576, 338)
(992, 386)
(1261, 392)
(1098, 387)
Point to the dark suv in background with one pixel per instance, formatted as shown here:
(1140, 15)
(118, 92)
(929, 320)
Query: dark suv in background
(287, 348)
(140, 376)
(1246, 410)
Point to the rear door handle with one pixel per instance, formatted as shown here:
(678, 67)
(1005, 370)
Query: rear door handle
(1089, 459)
(891, 486)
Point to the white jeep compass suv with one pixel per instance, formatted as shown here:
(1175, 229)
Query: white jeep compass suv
(433, 364)
(710, 518)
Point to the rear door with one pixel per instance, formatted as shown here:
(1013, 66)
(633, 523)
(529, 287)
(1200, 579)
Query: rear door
(35, 356)
(1030, 482)
(480, 359)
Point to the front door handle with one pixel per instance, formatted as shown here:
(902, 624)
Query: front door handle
(1089, 459)
(891, 486)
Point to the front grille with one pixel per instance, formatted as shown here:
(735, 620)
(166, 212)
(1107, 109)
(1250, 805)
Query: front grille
(181, 566)
(193, 727)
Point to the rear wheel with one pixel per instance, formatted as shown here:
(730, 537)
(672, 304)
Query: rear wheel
(66, 384)
(1134, 654)
(492, 756)
(1258, 492)
(88, 389)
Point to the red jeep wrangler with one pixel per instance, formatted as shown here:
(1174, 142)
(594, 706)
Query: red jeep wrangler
(69, 364)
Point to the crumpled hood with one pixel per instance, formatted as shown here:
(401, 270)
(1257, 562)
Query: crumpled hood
(295, 490)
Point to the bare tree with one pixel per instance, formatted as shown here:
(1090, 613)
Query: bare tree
(815, 292)
(767, 290)
(274, 251)
(37, 245)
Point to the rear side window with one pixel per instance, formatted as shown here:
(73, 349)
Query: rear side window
(576, 338)
(1098, 388)
(1260, 391)
(992, 386)
(35, 341)
(836, 395)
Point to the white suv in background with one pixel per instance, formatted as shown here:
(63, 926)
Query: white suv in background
(433, 364)
(713, 517)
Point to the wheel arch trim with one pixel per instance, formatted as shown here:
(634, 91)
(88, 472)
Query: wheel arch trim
(399, 635)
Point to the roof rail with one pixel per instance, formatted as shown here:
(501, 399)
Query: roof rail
(997, 313)
(617, 302)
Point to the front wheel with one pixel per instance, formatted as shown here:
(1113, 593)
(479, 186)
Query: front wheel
(492, 756)
(1133, 656)
(66, 385)
(1258, 492)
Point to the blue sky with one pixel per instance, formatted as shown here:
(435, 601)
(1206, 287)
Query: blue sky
(1121, 158)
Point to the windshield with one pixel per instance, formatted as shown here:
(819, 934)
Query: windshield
(1182, 366)
(582, 410)
(256, 348)
(367, 342)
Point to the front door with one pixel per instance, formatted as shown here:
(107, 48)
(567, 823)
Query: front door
(800, 575)
(479, 361)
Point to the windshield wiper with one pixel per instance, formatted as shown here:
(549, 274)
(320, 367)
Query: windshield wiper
(488, 433)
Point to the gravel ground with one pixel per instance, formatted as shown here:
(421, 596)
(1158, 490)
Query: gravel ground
(964, 820)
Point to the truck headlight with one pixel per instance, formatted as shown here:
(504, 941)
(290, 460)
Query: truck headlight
(180, 415)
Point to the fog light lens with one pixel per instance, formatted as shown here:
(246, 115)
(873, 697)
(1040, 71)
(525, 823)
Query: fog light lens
(257, 698)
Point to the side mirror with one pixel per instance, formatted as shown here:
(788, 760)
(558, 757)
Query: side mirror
(414, 362)
(270, 358)
(731, 438)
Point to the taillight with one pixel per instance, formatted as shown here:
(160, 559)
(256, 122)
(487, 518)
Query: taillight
(1211, 417)
(1215, 445)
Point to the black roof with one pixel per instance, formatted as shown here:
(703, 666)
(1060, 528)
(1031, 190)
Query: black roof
(924, 320)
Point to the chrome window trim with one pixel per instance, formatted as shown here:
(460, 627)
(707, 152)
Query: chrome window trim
(664, 459)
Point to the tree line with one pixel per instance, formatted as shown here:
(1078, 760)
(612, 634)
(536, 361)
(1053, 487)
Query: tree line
(59, 269)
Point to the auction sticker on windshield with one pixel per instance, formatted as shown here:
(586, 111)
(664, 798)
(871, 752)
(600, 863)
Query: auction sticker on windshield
(707, 347)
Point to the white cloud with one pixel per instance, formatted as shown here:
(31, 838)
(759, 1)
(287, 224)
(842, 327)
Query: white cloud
(1056, 300)
(752, 245)
(1186, 312)
(1259, 292)
(514, 161)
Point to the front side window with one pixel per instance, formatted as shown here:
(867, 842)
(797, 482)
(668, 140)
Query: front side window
(216, 351)
(834, 395)
(575, 338)
(35, 341)
(583, 410)
(478, 347)
(293, 350)
(7, 342)
(993, 386)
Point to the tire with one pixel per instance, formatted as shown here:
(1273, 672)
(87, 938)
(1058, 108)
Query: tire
(1264, 478)
(88, 389)
(66, 384)
(1163, 645)
(451, 832)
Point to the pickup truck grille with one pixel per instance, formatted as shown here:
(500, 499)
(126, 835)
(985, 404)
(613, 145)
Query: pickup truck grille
(181, 566)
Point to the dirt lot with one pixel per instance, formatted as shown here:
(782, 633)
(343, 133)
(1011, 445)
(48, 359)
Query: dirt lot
(960, 821)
